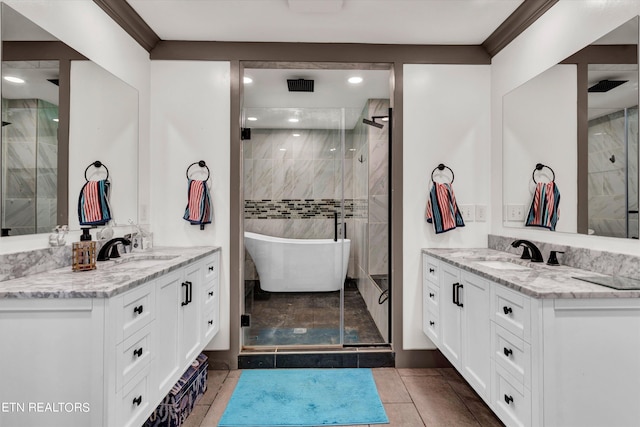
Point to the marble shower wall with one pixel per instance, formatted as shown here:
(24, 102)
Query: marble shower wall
(30, 166)
(607, 186)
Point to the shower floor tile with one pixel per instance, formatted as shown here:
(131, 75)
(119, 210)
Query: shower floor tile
(310, 318)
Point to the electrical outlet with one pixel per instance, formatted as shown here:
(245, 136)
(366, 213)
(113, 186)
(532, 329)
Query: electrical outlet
(515, 212)
(468, 212)
(481, 213)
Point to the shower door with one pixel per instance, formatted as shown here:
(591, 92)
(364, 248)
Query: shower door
(296, 253)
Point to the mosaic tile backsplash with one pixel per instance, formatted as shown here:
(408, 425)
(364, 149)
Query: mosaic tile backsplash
(303, 209)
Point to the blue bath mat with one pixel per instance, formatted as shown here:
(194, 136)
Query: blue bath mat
(304, 397)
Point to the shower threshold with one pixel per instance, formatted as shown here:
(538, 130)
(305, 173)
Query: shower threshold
(361, 356)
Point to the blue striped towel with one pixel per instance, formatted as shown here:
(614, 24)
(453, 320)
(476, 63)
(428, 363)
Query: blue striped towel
(442, 209)
(198, 210)
(93, 203)
(544, 210)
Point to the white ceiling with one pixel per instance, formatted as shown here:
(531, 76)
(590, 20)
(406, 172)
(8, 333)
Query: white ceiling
(327, 21)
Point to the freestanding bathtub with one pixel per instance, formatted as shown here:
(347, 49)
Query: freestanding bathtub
(298, 265)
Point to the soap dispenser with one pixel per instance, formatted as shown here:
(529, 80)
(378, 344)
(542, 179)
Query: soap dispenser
(84, 253)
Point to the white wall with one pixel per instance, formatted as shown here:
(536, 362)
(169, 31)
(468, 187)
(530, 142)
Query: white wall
(446, 120)
(190, 118)
(564, 29)
(541, 126)
(85, 27)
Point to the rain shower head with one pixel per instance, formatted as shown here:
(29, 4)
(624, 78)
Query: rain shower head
(5, 123)
(372, 123)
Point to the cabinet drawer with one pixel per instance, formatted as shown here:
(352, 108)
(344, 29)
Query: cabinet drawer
(211, 267)
(512, 311)
(432, 297)
(133, 355)
(512, 353)
(134, 401)
(138, 309)
(430, 269)
(211, 324)
(510, 400)
(211, 297)
(431, 326)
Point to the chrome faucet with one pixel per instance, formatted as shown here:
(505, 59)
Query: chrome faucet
(112, 244)
(535, 255)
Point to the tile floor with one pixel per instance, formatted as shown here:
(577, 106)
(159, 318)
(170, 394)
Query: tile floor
(411, 397)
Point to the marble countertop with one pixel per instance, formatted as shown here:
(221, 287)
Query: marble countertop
(110, 278)
(539, 280)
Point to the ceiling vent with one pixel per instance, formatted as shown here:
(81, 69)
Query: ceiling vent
(606, 85)
(300, 85)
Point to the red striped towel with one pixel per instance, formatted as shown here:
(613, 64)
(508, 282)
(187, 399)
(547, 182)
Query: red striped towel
(198, 210)
(442, 209)
(545, 206)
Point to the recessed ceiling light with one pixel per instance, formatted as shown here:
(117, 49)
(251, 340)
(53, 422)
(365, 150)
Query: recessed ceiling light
(385, 119)
(246, 80)
(56, 120)
(283, 149)
(352, 149)
(355, 80)
(296, 134)
(13, 79)
(332, 149)
(294, 120)
(252, 119)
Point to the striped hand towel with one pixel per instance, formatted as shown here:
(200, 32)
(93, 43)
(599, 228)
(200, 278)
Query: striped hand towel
(93, 203)
(198, 209)
(442, 209)
(544, 211)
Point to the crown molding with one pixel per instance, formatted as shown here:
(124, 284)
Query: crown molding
(125, 16)
(525, 15)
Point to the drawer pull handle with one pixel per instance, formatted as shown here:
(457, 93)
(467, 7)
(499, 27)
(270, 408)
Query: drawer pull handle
(432, 270)
(508, 399)
(211, 268)
(138, 352)
(507, 310)
(507, 352)
(210, 322)
(138, 310)
(432, 323)
(431, 295)
(211, 293)
(137, 400)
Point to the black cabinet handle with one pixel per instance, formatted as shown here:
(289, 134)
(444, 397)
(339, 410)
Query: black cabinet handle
(432, 270)
(211, 293)
(138, 352)
(460, 286)
(508, 399)
(185, 285)
(507, 310)
(211, 268)
(138, 310)
(455, 293)
(190, 292)
(137, 400)
(507, 351)
(432, 323)
(210, 322)
(431, 295)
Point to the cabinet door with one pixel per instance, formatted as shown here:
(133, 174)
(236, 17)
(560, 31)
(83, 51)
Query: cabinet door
(450, 314)
(191, 317)
(476, 332)
(168, 361)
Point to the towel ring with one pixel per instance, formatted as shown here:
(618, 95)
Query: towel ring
(202, 164)
(539, 167)
(441, 167)
(96, 164)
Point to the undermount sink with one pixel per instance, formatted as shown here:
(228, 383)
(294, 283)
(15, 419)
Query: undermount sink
(140, 261)
(502, 265)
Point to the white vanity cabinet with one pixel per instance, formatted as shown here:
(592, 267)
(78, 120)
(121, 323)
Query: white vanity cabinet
(103, 361)
(540, 361)
(463, 302)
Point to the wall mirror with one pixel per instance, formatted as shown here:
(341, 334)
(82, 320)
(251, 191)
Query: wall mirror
(579, 118)
(60, 113)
